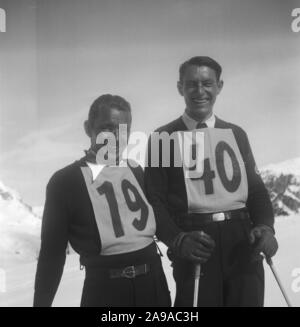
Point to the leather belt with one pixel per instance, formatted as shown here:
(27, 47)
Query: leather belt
(201, 219)
(130, 271)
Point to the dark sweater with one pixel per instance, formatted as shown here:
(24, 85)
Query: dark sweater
(166, 191)
(68, 217)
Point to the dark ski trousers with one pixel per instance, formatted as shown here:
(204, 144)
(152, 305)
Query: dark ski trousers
(151, 289)
(232, 276)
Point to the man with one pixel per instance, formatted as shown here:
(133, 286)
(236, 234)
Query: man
(102, 211)
(225, 199)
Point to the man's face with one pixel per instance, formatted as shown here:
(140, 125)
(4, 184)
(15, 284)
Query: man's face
(108, 121)
(199, 87)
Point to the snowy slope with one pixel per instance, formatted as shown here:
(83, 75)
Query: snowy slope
(19, 229)
(291, 166)
(283, 183)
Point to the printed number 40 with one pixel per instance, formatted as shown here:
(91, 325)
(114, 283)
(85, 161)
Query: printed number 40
(231, 185)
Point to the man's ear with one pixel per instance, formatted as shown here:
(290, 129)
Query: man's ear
(220, 85)
(180, 88)
(87, 128)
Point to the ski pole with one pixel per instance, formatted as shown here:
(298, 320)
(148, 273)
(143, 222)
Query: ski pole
(271, 265)
(196, 287)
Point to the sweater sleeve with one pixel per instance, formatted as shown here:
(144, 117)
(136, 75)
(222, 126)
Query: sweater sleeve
(258, 203)
(54, 239)
(156, 187)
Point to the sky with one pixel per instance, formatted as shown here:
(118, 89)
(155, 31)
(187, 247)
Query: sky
(56, 57)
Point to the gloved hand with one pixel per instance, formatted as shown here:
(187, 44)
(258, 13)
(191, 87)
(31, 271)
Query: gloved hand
(263, 239)
(195, 246)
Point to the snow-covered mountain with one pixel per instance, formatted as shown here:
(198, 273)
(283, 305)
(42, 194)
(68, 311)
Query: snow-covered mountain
(19, 228)
(283, 183)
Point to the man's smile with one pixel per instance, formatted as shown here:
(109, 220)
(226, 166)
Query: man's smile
(200, 100)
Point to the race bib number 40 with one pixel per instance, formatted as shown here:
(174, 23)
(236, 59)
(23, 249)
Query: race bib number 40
(124, 218)
(218, 180)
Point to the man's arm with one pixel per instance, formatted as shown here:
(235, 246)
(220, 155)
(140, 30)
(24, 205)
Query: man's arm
(258, 203)
(156, 188)
(54, 239)
(156, 191)
(260, 209)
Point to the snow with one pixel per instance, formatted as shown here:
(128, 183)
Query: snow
(285, 208)
(286, 261)
(19, 229)
(291, 195)
(11, 192)
(20, 277)
(291, 166)
(38, 211)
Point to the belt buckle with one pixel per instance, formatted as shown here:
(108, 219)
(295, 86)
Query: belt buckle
(219, 216)
(129, 272)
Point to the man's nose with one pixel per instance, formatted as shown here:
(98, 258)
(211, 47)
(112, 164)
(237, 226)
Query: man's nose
(200, 89)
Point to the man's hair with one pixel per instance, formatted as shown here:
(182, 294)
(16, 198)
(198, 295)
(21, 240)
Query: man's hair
(107, 101)
(200, 61)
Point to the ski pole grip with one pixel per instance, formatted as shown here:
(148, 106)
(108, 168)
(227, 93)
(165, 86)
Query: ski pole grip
(269, 261)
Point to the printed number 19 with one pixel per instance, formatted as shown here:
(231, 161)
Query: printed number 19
(134, 205)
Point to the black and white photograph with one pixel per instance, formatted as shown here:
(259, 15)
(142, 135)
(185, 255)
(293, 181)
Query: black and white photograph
(149, 154)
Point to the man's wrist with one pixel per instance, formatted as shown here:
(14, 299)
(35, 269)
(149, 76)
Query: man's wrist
(176, 244)
(266, 227)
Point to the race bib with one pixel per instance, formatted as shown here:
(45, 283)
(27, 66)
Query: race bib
(124, 218)
(214, 171)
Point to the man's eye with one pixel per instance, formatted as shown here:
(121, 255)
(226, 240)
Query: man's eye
(194, 85)
(190, 85)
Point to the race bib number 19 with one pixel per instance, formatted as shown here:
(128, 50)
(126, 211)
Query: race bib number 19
(123, 215)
